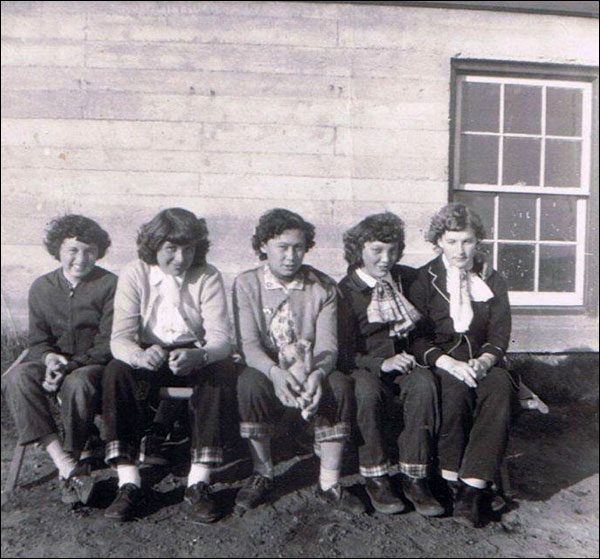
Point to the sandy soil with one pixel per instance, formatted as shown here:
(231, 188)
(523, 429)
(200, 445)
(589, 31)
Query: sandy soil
(552, 460)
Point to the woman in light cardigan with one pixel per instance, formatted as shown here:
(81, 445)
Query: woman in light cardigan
(171, 327)
(463, 339)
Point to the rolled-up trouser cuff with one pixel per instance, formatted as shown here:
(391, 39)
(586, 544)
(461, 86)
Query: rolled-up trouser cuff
(115, 450)
(250, 430)
(207, 455)
(338, 432)
(414, 470)
(375, 471)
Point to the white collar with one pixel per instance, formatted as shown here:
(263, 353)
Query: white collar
(370, 280)
(157, 276)
(271, 282)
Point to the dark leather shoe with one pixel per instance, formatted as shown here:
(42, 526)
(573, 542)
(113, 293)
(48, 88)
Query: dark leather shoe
(379, 489)
(341, 499)
(253, 493)
(79, 487)
(127, 501)
(199, 499)
(467, 507)
(417, 491)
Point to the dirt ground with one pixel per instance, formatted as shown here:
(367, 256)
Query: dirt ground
(552, 460)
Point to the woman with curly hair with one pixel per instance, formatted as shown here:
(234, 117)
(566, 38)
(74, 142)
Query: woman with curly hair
(277, 304)
(171, 328)
(464, 336)
(376, 321)
(70, 317)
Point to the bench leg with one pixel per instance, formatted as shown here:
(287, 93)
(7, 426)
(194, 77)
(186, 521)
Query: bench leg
(15, 468)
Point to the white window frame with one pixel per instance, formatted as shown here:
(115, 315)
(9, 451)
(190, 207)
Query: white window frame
(581, 192)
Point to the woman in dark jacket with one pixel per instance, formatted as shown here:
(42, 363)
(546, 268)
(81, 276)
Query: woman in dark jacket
(463, 337)
(375, 323)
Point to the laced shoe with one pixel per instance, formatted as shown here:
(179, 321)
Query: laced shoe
(417, 491)
(254, 492)
(78, 487)
(340, 498)
(379, 489)
(201, 502)
(129, 498)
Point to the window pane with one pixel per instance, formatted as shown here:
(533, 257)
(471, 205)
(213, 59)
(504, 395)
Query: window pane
(563, 163)
(483, 204)
(563, 111)
(480, 107)
(516, 217)
(559, 219)
(522, 109)
(479, 159)
(521, 164)
(516, 263)
(557, 268)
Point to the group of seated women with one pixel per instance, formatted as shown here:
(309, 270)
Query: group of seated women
(405, 365)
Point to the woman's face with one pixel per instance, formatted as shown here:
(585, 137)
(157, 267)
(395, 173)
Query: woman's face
(379, 258)
(459, 247)
(285, 253)
(174, 259)
(76, 258)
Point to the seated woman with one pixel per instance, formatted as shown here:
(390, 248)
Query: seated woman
(463, 339)
(171, 328)
(70, 317)
(278, 303)
(375, 323)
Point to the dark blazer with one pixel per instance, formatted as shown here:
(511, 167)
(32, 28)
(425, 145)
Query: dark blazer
(364, 345)
(76, 322)
(489, 331)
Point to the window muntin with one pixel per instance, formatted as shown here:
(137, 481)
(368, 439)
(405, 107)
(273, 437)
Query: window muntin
(522, 161)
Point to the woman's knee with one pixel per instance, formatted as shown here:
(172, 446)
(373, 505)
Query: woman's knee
(499, 384)
(341, 385)
(420, 382)
(367, 388)
(23, 378)
(81, 381)
(252, 382)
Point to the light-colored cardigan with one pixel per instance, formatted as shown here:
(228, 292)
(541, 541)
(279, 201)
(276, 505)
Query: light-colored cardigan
(203, 306)
(315, 315)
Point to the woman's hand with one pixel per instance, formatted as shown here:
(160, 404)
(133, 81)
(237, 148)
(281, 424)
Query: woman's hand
(313, 391)
(287, 388)
(458, 369)
(152, 358)
(183, 361)
(401, 362)
(483, 364)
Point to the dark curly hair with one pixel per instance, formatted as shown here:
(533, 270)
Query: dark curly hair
(454, 217)
(274, 222)
(385, 227)
(177, 226)
(73, 226)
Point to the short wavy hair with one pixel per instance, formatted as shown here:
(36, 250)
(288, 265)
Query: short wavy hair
(274, 222)
(385, 227)
(74, 226)
(175, 225)
(454, 217)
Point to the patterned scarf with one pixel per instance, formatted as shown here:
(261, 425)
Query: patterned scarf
(282, 328)
(389, 306)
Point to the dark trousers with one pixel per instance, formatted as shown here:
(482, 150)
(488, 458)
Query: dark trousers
(127, 393)
(475, 423)
(260, 409)
(79, 394)
(405, 407)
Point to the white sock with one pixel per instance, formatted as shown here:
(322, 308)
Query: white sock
(62, 460)
(450, 475)
(198, 473)
(475, 482)
(260, 450)
(128, 473)
(264, 468)
(328, 478)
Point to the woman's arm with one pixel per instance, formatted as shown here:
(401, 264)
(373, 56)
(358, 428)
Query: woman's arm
(213, 306)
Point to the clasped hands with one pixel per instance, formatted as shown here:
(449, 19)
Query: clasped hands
(402, 363)
(182, 361)
(290, 392)
(469, 372)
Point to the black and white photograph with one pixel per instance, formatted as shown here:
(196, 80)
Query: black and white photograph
(299, 279)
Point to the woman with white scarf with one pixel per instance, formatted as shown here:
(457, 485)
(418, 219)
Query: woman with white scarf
(394, 400)
(463, 337)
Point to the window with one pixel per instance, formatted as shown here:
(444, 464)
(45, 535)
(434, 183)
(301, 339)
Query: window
(522, 159)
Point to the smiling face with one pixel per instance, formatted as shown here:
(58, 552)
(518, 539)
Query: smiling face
(379, 258)
(77, 259)
(174, 259)
(285, 253)
(459, 247)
